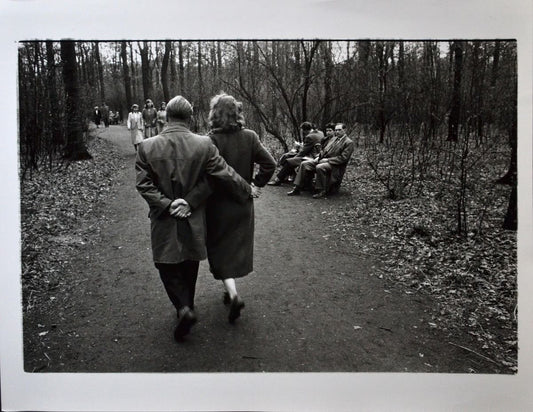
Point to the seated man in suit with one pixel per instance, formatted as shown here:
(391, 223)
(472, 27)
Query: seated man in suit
(330, 133)
(329, 165)
(311, 146)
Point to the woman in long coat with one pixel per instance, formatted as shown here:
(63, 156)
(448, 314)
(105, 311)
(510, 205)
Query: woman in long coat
(135, 125)
(230, 225)
(161, 117)
(149, 114)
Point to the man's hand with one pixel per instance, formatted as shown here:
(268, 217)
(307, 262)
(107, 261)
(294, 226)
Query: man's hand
(180, 209)
(256, 191)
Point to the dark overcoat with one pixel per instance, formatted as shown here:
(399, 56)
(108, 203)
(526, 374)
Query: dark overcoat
(230, 225)
(167, 167)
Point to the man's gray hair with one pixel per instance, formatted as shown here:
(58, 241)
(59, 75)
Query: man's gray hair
(179, 108)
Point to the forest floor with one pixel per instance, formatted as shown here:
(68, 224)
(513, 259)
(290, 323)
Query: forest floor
(332, 289)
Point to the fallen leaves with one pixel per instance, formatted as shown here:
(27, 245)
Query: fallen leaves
(473, 279)
(54, 203)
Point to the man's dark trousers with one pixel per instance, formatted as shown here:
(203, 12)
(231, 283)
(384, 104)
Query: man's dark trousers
(179, 280)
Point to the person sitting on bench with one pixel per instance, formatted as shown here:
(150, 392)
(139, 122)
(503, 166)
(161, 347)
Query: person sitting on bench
(329, 165)
(312, 139)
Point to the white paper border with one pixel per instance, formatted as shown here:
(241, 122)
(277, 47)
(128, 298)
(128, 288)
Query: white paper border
(336, 19)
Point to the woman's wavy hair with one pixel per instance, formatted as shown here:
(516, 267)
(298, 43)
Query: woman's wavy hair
(225, 113)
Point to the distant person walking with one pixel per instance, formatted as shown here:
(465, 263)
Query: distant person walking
(97, 116)
(105, 114)
(168, 166)
(161, 117)
(149, 119)
(135, 125)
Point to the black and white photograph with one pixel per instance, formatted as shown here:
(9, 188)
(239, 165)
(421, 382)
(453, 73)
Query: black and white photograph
(383, 228)
(280, 210)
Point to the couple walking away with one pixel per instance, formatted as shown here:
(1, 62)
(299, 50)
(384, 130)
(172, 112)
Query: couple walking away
(200, 192)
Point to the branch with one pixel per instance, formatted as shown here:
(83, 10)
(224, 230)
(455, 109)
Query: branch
(473, 351)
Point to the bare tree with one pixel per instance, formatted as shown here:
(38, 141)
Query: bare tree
(164, 70)
(75, 146)
(146, 70)
(455, 109)
(100, 69)
(181, 68)
(55, 119)
(126, 73)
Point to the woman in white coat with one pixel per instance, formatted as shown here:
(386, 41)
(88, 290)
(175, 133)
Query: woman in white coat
(135, 125)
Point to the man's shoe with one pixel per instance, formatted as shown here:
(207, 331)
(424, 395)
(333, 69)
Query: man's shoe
(226, 299)
(235, 309)
(319, 195)
(186, 320)
(294, 192)
(275, 182)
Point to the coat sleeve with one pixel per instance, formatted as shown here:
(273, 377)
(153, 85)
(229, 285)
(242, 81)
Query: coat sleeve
(343, 156)
(224, 175)
(267, 164)
(129, 121)
(307, 147)
(145, 184)
(199, 193)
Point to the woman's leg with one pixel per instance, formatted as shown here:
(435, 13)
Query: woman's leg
(236, 304)
(231, 287)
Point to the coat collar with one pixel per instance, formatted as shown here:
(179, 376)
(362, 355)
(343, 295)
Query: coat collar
(177, 127)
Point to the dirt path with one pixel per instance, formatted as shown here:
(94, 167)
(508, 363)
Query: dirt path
(313, 304)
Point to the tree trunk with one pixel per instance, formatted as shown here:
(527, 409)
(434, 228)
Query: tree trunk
(200, 83)
(511, 218)
(404, 117)
(146, 71)
(510, 178)
(219, 58)
(164, 70)
(363, 85)
(328, 75)
(382, 54)
(455, 110)
(75, 146)
(476, 91)
(100, 71)
(134, 81)
(126, 73)
(55, 121)
(181, 68)
(173, 72)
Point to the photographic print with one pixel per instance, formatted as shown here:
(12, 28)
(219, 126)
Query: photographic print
(385, 230)
(304, 205)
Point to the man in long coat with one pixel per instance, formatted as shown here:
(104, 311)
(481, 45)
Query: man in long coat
(329, 165)
(168, 166)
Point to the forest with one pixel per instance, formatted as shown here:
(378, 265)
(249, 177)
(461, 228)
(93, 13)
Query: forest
(434, 124)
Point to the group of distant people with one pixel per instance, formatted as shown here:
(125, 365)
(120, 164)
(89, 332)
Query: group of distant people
(319, 156)
(147, 123)
(200, 191)
(104, 114)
